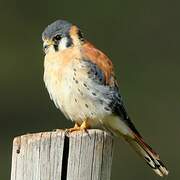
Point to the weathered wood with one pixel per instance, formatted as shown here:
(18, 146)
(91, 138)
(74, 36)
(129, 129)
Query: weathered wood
(56, 156)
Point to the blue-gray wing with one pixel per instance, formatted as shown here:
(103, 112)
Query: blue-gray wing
(94, 72)
(112, 93)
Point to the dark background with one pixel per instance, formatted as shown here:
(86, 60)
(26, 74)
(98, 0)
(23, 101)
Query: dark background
(141, 37)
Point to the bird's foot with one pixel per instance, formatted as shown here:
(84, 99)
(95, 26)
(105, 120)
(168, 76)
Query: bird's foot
(84, 126)
(75, 128)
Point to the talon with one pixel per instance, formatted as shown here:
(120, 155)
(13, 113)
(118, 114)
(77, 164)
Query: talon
(75, 128)
(84, 126)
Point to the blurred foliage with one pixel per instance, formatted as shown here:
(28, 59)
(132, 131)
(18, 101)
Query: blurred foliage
(141, 37)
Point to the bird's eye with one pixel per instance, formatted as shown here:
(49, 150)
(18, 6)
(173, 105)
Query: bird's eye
(57, 38)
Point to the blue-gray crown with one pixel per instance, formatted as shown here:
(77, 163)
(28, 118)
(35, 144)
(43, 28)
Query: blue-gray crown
(60, 27)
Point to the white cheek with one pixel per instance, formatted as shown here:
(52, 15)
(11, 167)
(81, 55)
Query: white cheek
(51, 49)
(63, 44)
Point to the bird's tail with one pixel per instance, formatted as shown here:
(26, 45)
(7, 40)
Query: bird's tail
(148, 154)
(127, 130)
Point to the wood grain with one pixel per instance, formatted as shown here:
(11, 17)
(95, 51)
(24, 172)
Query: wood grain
(59, 156)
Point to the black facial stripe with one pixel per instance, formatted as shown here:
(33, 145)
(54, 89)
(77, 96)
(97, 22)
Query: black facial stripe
(80, 35)
(56, 47)
(69, 41)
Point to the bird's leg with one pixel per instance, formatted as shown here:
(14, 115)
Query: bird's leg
(75, 128)
(83, 127)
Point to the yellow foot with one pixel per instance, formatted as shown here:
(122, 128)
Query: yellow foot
(84, 126)
(75, 128)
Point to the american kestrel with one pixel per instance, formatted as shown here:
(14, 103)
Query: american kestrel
(81, 82)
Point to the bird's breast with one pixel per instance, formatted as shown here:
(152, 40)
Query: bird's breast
(57, 78)
(72, 91)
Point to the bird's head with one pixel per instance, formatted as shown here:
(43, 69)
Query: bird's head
(61, 35)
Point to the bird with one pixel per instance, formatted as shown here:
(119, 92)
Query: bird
(81, 81)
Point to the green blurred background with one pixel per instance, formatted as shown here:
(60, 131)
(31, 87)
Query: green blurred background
(141, 37)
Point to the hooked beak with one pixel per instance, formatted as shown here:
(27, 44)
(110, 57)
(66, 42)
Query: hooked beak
(46, 45)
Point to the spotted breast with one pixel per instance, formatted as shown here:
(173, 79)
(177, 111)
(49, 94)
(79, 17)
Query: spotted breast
(77, 87)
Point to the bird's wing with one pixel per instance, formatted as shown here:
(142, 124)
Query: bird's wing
(101, 60)
(101, 68)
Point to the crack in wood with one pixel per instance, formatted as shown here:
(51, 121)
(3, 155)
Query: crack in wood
(65, 158)
(57, 155)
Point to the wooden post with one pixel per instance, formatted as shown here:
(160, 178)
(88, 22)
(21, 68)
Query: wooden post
(57, 156)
